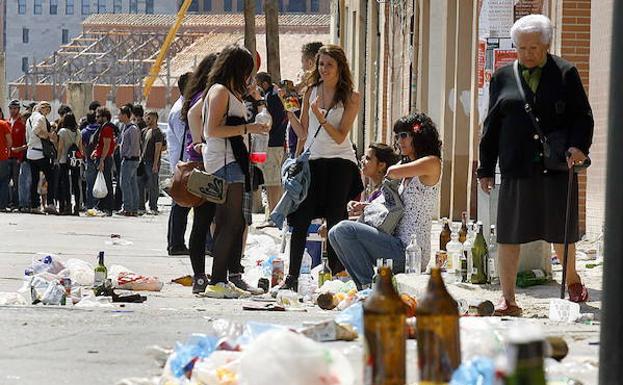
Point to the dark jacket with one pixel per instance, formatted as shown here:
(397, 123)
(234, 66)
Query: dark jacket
(560, 103)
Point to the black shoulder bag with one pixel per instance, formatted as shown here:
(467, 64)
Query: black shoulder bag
(554, 144)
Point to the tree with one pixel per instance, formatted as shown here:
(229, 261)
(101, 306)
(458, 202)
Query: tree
(271, 9)
(249, 29)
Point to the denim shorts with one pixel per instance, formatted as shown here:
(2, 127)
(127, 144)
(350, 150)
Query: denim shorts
(232, 173)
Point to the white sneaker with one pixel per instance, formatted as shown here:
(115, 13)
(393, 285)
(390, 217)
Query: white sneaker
(224, 290)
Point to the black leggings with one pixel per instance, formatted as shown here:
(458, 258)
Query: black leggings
(64, 190)
(228, 234)
(333, 183)
(202, 220)
(35, 167)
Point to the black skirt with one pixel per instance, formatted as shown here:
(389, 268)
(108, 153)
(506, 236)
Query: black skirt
(534, 208)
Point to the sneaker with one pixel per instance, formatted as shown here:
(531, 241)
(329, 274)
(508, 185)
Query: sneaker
(200, 284)
(50, 209)
(291, 283)
(224, 290)
(240, 283)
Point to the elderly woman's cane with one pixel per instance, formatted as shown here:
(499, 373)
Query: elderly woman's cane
(572, 171)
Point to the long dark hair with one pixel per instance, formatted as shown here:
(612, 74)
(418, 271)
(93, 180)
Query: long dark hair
(197, 82)
(424, 134)
(384, 154)
(232, 68)
(344, 88)
(68, 121)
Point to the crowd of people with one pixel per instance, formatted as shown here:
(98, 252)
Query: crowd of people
(213, 124)
(44, 164)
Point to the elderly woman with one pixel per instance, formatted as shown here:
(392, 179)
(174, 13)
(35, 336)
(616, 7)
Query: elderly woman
(532, 197)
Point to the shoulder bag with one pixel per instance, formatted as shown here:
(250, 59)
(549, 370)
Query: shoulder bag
(385, 214)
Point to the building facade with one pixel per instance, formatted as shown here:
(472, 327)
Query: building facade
(34, 29)
(237, 6)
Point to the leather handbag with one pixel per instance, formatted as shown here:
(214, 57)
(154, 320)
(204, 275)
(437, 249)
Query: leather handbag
(179, 185)
(385, 214)
(555, 143)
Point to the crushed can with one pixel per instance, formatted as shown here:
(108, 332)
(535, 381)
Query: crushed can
(278, 272)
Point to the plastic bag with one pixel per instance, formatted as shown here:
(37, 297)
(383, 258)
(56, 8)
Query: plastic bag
(8, 299)
(47, 264)
(128, 280)
(352, 316)
(285, 357)
(220, 368)
(99, 188)
(81, 272)
(53, 294)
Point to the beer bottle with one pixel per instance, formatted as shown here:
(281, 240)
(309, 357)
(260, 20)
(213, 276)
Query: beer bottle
(325, 274)
(438, 334)
(480, 255)
(444, 236)
(100, 271)
(525, 355)
(384, 317)
(463, 231)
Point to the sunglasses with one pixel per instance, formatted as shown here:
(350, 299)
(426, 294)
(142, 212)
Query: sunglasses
(402, 135)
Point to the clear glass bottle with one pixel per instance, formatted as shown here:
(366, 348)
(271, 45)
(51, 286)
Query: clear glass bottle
(467, 251)
(379, 263)
(325, 273)
(492, 260)
(384, 319)
(413, 257)
(455, 250)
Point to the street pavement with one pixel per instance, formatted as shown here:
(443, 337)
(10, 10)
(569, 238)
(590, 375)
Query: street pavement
(54, 345)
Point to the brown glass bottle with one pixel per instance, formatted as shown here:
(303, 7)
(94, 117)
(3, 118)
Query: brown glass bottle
(463, 230)
(384, 317)
(438, 334)
(444, 236)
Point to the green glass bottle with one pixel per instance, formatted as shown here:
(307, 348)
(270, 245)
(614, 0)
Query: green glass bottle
(325, 274)
(525, 356)
(480, 255)
(101, 272)
(531, 278)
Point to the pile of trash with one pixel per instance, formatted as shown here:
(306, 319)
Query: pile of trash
(51, 281)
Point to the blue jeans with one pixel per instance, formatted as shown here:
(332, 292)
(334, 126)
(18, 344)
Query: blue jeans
(232, 173)
(90, 175)
(14, 177)
(148, 187)
(25, 180)
(129, 184)
(358, 246)
(5, 174)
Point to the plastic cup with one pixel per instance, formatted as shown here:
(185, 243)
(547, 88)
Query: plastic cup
(259, 147)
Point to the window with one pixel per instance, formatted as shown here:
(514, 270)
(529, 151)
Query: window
(25, 35)
(240, 5)
(69, 7)
(133, 6)
(259, 7)
(24, 64)
(53, 7)
(86, 7)
(38, 8)
(21, 7)
(297, 6)
(65, 36)
(194, 6)
(117, 6)
(207, 5)
(101, 6)
(149, 6)
(315, 6)
(227, 5)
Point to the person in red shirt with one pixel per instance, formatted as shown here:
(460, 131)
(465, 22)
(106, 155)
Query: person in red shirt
(102, 155)
(18, 150)
(5, 147)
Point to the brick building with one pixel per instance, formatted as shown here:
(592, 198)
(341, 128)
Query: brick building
(285, 6)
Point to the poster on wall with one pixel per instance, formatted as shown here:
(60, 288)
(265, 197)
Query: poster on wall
(526, 7)
(502, 57)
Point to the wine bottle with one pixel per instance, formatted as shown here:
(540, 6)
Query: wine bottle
(101, 272)
(480, 253)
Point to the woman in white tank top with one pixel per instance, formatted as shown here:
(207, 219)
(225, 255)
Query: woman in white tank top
(359, 245)
(329, 109)
(226, 156)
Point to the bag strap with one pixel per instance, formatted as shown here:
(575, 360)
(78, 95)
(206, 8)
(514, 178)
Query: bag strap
(318, 130)
(527, 106)
(183, 142)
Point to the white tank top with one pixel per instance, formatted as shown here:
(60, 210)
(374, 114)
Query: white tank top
(218, 151)
(324, 146)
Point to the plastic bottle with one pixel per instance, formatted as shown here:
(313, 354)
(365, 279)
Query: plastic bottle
(259, 142)
(455, 250)
(306, 282)
(413, 257)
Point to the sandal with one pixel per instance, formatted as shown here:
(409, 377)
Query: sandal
(577, 293)
(504, 309)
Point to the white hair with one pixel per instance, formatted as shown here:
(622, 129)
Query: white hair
(531, 24)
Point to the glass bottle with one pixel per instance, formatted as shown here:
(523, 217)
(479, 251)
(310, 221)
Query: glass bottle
(384, 317)
(525, 353)
(467, 251)
(455, 250)
(325, 273)
(379, 264)
(531, 278)
(463, 231)
(438, 334)
(444, 236)
(413, 257)
(492, 261)
(480, 252)
(101, 272)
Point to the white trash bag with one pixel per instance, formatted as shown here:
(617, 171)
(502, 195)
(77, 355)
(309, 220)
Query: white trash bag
(99, 188)
(81, 272)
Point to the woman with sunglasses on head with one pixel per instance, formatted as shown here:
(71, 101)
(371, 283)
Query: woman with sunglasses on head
(330, 106)
(359, 245)
(226, 156)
